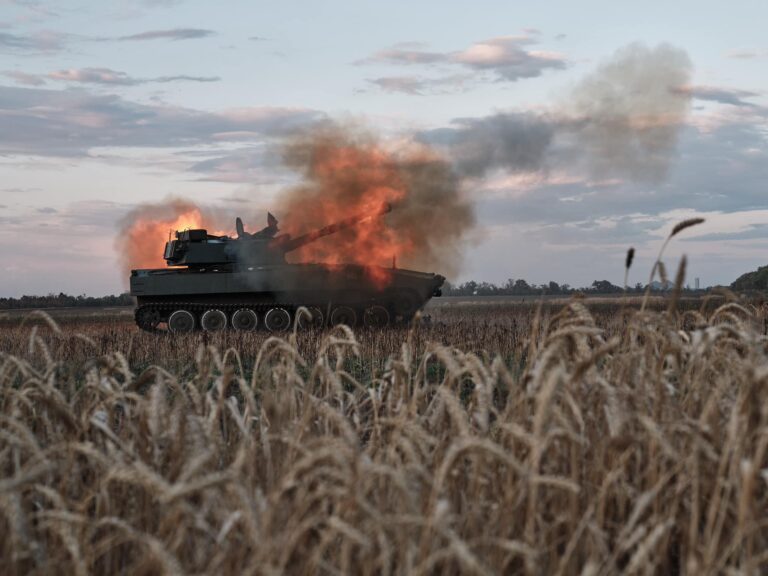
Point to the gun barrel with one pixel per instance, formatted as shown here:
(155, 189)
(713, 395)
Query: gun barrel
(294, 243)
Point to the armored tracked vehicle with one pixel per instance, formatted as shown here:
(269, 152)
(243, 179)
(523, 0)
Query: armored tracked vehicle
(244, 283)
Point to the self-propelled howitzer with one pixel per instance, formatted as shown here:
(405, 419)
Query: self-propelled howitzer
(244, 282)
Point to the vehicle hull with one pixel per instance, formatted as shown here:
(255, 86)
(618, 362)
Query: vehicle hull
(159, 292)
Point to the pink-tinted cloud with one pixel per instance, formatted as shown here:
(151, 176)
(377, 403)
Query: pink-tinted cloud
(109, 77)
(507, 58)
(24, 78)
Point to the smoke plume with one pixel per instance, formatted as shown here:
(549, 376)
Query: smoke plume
(512, 141)
(349, 172)
(622, 120)
(628, 113)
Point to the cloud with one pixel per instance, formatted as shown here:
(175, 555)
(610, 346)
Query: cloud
(93, 76)
(172, 34)
(47, 210)
(751, 232)
(44, 41)
(417, 85)
(109, 77)
(20, 190)
(50, 41)
(73, 122)
(404, 84)
(621, 230)
(747, 54)
(506, 58)
(32, 10)
(184, 78)
(722, 95)
(252, 165)
(24, 78)
(405, 56)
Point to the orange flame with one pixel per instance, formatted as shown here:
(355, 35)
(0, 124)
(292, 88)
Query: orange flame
(144, 237)
(344, 181)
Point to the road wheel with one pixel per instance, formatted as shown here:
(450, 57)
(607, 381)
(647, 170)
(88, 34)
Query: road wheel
(213, 320)
(181, 322)
(147, 318)
(376, 317)
(245, 320)
(277, 320)
(343, 315)
(314, 320)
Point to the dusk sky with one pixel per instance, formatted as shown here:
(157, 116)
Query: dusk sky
(105, 106)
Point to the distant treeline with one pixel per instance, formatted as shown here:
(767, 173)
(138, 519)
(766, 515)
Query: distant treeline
(62, 300)
(522, 288)
(471, 288)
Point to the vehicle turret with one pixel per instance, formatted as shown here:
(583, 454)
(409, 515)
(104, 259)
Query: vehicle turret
(197, 249)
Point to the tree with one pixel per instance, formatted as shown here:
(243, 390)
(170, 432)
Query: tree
(757, 280)
(521, 287)
(486, 289)
(604, 287)
(468, 288)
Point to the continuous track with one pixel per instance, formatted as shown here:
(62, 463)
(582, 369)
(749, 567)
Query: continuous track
(150, 316)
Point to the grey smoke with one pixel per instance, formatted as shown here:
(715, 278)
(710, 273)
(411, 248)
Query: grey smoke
(510, 141)
(621, 120)
(628, 113)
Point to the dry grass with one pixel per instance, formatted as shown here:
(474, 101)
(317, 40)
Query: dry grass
(565, 442)
(487, 327)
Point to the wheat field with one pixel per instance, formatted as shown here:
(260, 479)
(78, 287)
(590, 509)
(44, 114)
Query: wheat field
(637, 448)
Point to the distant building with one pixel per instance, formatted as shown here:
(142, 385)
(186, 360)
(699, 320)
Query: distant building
(697, 283)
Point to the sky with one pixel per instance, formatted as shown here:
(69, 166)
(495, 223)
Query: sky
(108, 106)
